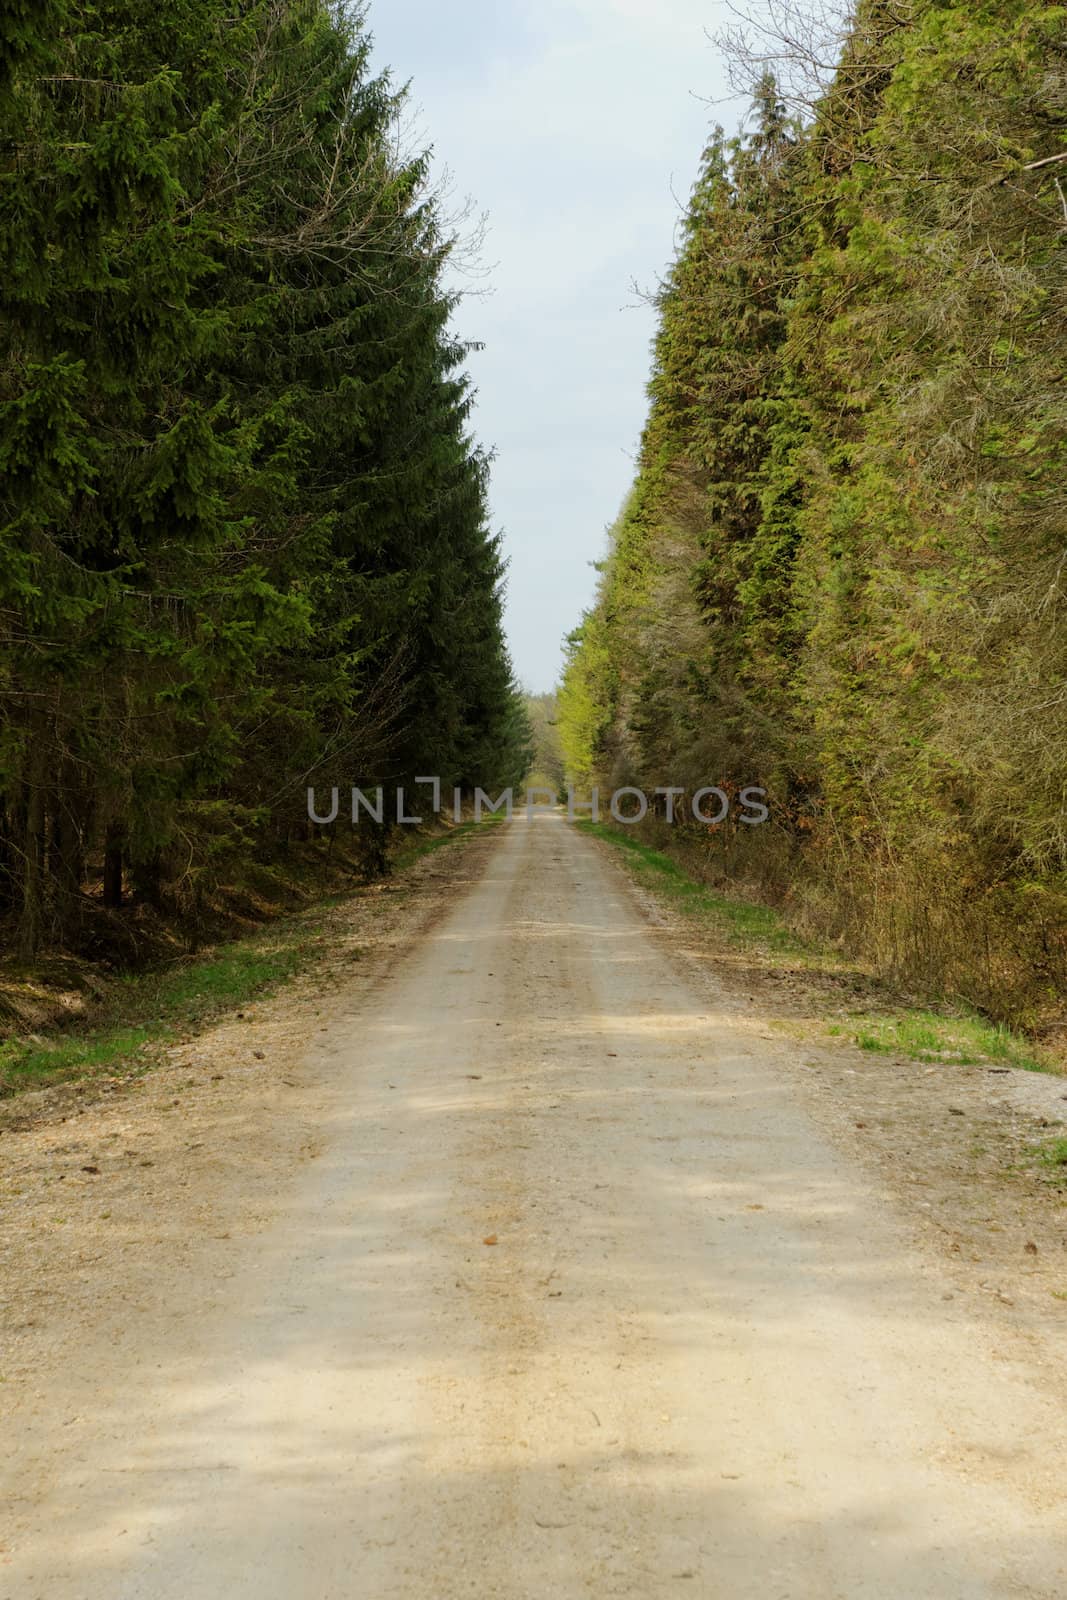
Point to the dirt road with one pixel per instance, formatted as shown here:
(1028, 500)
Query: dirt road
(575, 1300)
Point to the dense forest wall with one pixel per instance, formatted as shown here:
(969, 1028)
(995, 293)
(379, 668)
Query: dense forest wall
(842, 570)
(546, 756)
(243, 541)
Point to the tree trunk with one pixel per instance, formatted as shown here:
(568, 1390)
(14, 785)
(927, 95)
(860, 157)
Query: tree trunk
(66, 857)
(376, 850)
(148, 879)
(114, 839)
(31, 922)
(11, 828)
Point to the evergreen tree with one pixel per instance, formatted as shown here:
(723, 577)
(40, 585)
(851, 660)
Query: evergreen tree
(841, 568)
(243, 538)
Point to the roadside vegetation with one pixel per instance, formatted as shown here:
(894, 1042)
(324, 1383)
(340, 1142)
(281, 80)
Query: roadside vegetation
(840, 572)
(546, 752)
(244, 540)
(855, 1005)
(118, 1022)
(136, 1013)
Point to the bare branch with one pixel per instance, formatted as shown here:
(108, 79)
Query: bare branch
(1032, 166)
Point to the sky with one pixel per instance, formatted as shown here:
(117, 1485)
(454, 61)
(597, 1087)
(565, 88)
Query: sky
(575, 130)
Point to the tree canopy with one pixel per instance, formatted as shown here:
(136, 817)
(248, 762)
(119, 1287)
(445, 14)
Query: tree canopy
(841, 569)
(243, 524)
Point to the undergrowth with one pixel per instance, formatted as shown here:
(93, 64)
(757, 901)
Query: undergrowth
(140, 1013)
(950, 1033)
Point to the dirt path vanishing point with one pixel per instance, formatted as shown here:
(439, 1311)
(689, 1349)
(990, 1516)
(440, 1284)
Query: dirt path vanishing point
(544, 1282)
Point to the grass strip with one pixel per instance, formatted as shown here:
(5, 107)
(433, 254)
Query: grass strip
(143, 1012)
(951, 1034)
(153, 1008)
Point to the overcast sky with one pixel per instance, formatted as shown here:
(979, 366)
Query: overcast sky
(577, 129)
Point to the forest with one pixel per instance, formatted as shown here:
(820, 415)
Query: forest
(243, 525)
(841, 572)
(660, 1204)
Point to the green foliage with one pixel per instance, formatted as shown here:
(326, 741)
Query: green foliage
(243, 540)
(840, 573)
(951, 1035)
(546, 753)
(741, 921)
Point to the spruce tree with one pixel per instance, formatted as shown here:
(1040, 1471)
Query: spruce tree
(243, 527)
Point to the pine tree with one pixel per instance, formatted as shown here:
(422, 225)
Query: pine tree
(243, 535)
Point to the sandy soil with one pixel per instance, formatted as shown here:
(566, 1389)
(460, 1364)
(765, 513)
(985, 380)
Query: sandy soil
(540, 1265)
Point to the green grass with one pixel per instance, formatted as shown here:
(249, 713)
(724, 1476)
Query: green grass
(151, 1008)
(919, 1035)
(938, 1036)
(1048, 1162)
(742, 921)
(1054, 1155)
(422, 847)
(142, 1013)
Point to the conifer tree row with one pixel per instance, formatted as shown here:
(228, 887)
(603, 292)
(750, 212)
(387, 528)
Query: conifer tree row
(841, 571)
(243, 542)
